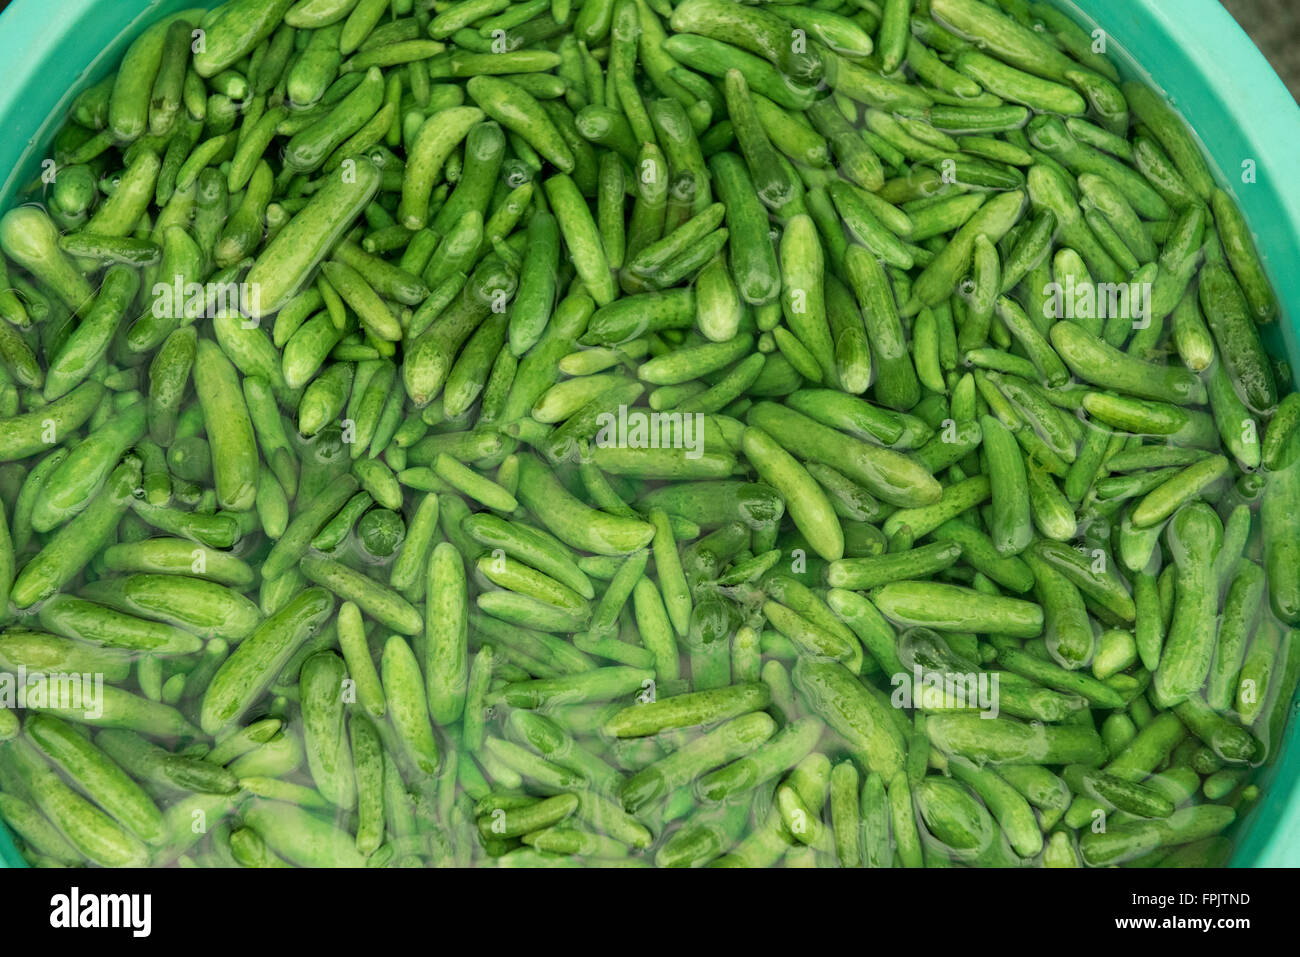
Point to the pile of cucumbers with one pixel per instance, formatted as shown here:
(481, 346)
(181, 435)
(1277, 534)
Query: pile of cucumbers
(611, 432)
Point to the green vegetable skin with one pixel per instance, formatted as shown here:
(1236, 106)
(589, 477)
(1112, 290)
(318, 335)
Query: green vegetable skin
(672, 399)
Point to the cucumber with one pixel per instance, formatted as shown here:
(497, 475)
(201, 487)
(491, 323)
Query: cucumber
(286, 262)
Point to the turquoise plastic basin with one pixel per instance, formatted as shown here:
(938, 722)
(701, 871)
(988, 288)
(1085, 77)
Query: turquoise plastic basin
(1192, 50)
